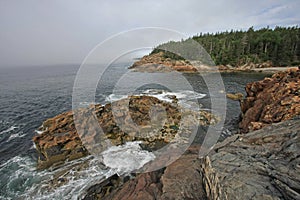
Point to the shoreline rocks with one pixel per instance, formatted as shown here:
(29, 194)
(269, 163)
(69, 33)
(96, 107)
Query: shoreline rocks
(136, 118)
(271, 100)
(58, 142)
(236, 97)
(263, 164)
(157, 62)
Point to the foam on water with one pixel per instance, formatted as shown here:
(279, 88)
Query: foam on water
(17, 174)
(186, 98)
(8, 130)
(180, 95)
(15, 135)
(38, 132)
(127, 157)
(115, 97)
(24, 181)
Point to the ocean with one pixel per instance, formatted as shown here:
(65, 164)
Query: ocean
(30, 95)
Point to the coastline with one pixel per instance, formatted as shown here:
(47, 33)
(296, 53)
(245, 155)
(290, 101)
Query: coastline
(260, 163)
(158, 63)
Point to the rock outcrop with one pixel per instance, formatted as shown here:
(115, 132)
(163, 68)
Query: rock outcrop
(263, 164)
(59, 141)
(137, 118)
(271, 100)
(235, 97)
(158, 63)
(246, 67)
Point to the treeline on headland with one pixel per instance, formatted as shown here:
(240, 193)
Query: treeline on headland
(280, 46)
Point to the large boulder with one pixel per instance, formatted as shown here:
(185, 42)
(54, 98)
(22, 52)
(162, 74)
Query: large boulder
(271, 100)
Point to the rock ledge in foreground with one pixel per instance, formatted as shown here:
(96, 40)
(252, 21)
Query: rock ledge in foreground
(263, 164)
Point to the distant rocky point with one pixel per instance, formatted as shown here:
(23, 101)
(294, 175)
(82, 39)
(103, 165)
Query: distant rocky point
(158, 62)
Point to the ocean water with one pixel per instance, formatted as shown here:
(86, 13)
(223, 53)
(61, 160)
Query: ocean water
(30, 95)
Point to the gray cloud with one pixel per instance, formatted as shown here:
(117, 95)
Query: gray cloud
(35, 32)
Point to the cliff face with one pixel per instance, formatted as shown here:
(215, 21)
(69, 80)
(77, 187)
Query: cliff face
(271, 100)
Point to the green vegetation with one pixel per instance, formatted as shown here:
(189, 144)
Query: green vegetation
(281, 46)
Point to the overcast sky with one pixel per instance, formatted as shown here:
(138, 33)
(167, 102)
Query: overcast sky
(45, 32)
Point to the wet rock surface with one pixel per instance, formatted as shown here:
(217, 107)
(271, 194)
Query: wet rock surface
(271, 100)
(137, 118)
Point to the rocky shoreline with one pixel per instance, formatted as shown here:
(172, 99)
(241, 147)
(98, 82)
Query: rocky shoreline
(262, 162)
(158, 63)
(122, 121)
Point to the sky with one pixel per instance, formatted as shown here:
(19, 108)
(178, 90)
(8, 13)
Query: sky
(52, 32)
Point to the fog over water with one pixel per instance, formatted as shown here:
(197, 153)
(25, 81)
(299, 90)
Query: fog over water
(38, 33)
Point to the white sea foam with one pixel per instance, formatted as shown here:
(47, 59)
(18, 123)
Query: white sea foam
(38, 132)
(15, 135)
(115, 97)
(184, 97)
(127, 157)
(8, 130)
(22, 175)
(119, 160)
(33, 146)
